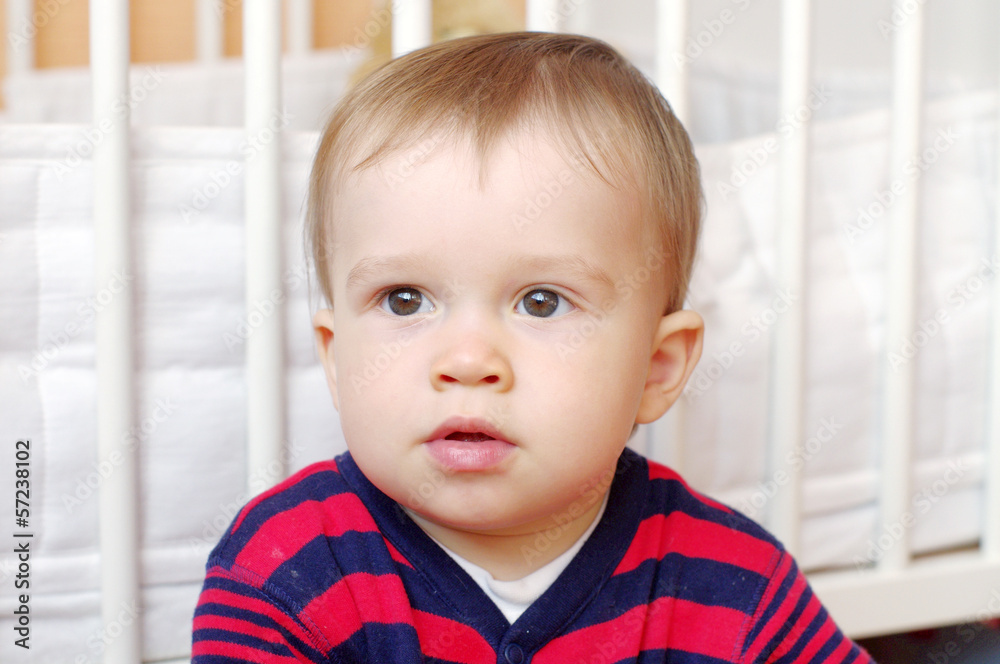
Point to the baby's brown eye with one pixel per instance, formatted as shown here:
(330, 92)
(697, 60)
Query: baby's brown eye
(404, 301)
(541, 303)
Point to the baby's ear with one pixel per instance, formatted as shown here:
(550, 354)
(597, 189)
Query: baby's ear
(676, 351)
(323, 328)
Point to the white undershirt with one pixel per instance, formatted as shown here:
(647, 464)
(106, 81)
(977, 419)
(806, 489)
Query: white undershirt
(513, 597)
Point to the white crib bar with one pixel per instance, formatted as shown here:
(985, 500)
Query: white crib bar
(118, 497)
(264, 296)
(411, 26)
(672, 80)
(208, 30)
(991, 505)
(300, 26)
(671, 67)
(788, 355)
(21, 31)
(542, 16)
(902, 289)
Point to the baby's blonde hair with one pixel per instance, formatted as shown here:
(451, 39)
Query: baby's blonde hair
(490, 87)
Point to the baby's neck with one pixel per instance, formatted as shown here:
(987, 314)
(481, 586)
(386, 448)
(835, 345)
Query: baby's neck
(510, 556)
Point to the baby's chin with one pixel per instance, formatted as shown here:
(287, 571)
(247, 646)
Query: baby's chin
(484, 521)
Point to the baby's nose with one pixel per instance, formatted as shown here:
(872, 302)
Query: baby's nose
(472, 361)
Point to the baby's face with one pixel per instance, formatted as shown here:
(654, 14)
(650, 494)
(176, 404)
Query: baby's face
(488, 349)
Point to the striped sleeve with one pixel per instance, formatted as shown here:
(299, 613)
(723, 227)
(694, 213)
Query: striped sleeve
(791, 626)
(237, 622)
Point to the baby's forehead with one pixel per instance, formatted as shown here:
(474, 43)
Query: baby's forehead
(541, 160)
(528, 177)
(539, 167)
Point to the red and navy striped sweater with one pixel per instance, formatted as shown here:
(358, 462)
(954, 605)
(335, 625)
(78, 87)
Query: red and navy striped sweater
(327, 568)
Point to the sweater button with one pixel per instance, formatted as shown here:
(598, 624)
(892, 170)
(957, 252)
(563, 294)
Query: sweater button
(514, 654)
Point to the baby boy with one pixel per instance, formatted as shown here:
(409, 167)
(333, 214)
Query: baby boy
(503, 228)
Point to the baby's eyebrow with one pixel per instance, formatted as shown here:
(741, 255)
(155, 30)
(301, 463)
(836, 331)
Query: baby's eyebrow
(370, 266)
(574, 265)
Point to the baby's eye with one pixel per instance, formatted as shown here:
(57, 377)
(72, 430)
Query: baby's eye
(406, 301)
(542, 303)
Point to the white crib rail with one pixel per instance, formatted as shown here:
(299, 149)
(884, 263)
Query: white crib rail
(20, 54)
(300, 26)
(671, 70)
(789, 334)
(902, 292)
(664, 439)
(208, 30)
(118, 496)
(542, 15)
(265, 350)
(411, 26)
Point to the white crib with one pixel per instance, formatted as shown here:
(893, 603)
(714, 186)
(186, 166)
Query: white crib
(893, 508)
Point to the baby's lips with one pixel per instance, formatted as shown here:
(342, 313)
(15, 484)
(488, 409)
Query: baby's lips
(458, 424)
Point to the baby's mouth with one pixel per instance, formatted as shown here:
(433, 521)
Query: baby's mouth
(468, 446)
(458, 429)
(475, 437)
